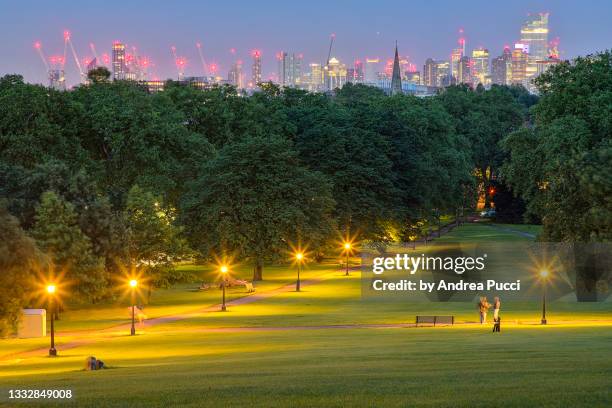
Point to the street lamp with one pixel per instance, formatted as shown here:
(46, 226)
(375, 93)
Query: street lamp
(544, 277)
(347, 249)
(133, 285)
(298, 257)
(224, 272)
(51, 291)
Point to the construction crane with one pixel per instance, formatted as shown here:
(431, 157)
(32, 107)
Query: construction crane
(331, 43)
(67, 40)
(204, 67)
(38, 47)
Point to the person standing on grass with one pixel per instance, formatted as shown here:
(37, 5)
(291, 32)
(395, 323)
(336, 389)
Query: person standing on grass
(483, 308)
(496, 307)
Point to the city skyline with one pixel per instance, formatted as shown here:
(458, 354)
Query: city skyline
(354, 40)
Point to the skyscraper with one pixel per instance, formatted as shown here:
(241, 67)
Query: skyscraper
(334, 74)
(316, 77)
(371, 70)
(456, 56)
(119, 67)
(444, 73)
(396, 80)
(501, 68)
(234, 76)
(519, 64)
(430, 73)
(256, 68)
(359, 74)
(464, 73)
(289, 69)
(480, 67)
(534, 35)
(57, 80)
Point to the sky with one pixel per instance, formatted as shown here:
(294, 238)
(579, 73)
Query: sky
(363, 28)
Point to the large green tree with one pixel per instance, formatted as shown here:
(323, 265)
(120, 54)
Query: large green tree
(153, 240)
(562, 166)
(255, 199)
(19, 262)
(58, 234)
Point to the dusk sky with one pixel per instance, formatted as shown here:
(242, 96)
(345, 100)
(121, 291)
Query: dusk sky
(363, 29)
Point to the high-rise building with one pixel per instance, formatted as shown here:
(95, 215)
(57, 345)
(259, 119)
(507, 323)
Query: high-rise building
(519, 64)
(316, 77)
(334, 74)
(480, 67)
(371, 70)
(396, 79)
(444, 77)
(359, 73)
(57, 80)
(430, 73)
(534, 35)
(350, 75)
(456, 56)
(256, 68)
(289, 69)
(119, 63)
(464, 72)
(234, 76)
(501, 68)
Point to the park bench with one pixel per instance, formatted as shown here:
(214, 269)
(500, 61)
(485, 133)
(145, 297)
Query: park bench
(435, 320)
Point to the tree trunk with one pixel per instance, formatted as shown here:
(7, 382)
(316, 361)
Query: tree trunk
(258, 270)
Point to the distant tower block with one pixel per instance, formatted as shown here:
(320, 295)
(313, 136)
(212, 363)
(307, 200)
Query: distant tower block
(396, 78)
(119, 65)
(256, 68)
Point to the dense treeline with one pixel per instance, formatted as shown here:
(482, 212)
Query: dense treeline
(106, 177)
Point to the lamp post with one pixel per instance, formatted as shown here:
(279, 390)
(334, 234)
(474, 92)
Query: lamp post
(298, 257)
(133, 285)
(544, 276)
(347, 249)
(224, 272)
(51, 292)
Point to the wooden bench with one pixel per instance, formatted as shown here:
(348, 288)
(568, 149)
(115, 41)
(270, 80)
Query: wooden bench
(249, 287)
(435, 320)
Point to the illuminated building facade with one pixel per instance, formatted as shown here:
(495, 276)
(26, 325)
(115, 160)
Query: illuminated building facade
(519, 64)
(444, 77)
(371, 70)
(480, 67)
(256, 68)
(335, 74)
(464, 72)
(289, 69)
(501, 68)
(430, 73)
(534, 35)
(118, 61)
(316, 77)
(234, 76)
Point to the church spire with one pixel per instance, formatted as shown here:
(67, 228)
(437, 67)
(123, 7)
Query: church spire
(396, 77)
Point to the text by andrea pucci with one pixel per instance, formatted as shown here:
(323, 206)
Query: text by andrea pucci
(464, 271)
(410, 265)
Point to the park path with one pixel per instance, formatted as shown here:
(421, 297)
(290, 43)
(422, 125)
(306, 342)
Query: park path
(112, 332)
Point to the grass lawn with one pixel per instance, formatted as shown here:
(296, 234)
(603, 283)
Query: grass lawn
(261, 353)
(529, 228)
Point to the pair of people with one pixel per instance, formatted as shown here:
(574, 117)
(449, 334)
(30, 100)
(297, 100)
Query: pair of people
(484, 306)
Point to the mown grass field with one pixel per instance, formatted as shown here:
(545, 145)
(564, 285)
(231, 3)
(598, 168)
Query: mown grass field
(278, 352)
